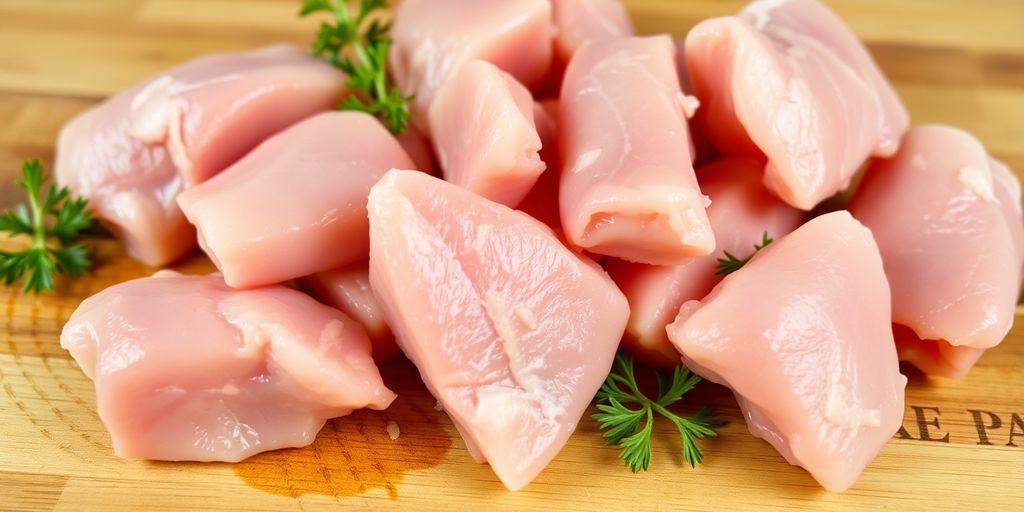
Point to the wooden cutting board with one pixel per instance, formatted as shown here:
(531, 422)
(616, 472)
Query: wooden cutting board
(962, 447)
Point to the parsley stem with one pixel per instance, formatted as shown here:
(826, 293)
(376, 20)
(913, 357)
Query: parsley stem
(38, 222)
(621, 423)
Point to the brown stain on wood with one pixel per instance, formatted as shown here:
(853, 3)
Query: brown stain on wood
(22, 491)
(355, 454)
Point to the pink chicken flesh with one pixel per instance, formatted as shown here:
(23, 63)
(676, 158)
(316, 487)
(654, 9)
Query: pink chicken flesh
(348, 289)
(433, 38)
(418, 147)
(741, 212)
(213, 110)
(628, 188)
(787, 78)
(131, 186)
(541, 202)
(947, 218)
(132, 155)
(811, 360)
(511, 331)
(304, 188)
(578, 22)
(482, 123)
(259, 370)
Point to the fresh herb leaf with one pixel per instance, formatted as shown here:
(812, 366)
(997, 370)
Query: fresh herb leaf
(70, 218)
(357, 43)
(730, 263)
(622, 424)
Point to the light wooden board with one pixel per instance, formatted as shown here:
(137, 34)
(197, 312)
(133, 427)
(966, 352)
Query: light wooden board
(953, 61)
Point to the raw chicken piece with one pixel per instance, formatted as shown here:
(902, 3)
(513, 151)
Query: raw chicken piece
(704, 153)
(541, 202)
(296, 205)
(948, 222)
(259, 370)
(788, 78)
(432, 38)
(628, 188)
(417, 146)
(131, 186)
(348, 289)
(199, 117)
(511, 331)
(741, 212)
(482, 122)
(935, 357)
(578, 22)
(812, 361)
(211, 111)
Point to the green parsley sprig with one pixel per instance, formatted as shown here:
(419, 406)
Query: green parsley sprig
(357, 43)
(730, 263)
(621, 424)
(54, 223)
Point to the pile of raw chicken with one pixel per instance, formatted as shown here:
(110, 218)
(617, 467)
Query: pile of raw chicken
(544, 207)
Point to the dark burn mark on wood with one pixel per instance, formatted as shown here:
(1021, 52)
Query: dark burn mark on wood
(928, 427)
(1016, 428)
(984, 425)
(991, 428)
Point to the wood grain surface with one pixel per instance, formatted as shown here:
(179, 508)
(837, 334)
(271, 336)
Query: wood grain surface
(962, 447)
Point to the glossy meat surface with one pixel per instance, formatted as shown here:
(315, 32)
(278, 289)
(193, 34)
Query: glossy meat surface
(741, 212)
(211, 111)
(348, 289)
(133, 154)
(432, 38)
(418, 147)
(296, 205)
(787, 78)
(511, 331)
(578, 22)
(628, 189)
(802, 336)
(259, 370)
(947, 218)
(131, 185)
(541, 202)
(482, 124)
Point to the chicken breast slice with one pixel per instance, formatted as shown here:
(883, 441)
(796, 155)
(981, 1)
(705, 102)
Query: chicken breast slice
(787, 78)
(511, 331)
(628, 189)
(260, 369)
(211, 111)
(348, 289)
(304, 188)
(482, 123)
(133, 154)
(131, 185)
(578, 22)
(541, 202)
(947, 218)
(812, 363)
(433, 38)
(419, 148)
(741, 213)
